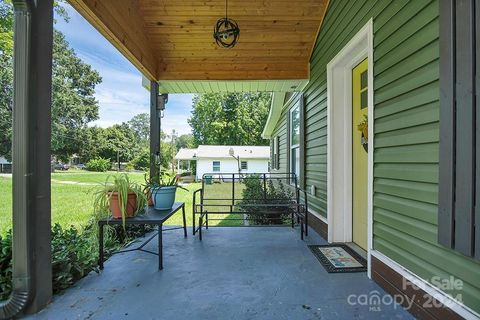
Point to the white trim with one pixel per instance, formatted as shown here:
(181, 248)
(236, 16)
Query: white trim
(371, 145)
(436, 293)
(339, 138)
(219, 165)
(292, 109)
(292, 146)
(274, 114)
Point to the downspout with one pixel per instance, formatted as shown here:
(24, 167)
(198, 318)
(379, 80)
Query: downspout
(22, 291)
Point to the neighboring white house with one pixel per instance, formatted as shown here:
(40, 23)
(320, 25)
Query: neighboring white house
(220, 160)
(5, 165)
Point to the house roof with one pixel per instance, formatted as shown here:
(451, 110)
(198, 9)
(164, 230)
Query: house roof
(186, 154)
(4, 161)
(222, 152)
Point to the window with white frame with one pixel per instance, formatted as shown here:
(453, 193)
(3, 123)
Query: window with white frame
(216, 166)
(244, 165)
(295, 141)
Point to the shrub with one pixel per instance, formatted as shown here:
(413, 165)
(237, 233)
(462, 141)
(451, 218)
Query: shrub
(74, 253)
(269, 212)
(130, 166)
(142, 160)
(98, 165)
(73, 256)
(5, 266)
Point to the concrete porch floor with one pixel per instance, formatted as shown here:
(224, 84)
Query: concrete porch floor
(234, 273)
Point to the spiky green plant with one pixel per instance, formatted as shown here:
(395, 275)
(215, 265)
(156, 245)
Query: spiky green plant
(163, 180)
(121, 184)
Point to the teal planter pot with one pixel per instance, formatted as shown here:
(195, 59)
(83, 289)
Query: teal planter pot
(164, 197)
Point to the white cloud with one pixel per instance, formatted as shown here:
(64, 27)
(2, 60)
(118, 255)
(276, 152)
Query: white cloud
(177, 122)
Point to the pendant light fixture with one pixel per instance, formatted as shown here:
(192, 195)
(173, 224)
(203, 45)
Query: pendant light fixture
(226, 31)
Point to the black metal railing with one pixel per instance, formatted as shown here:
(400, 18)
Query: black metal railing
(265, 199)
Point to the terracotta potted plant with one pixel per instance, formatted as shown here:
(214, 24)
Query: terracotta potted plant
(120, 197)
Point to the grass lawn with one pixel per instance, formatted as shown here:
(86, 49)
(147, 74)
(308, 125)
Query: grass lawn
(83, 176)
(72, 198)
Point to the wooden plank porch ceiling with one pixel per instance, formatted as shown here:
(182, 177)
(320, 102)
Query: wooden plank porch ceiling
(173, 39)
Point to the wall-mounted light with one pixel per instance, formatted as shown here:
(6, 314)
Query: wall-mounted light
(162, 100)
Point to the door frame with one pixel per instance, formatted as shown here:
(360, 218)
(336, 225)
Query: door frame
(339, 138)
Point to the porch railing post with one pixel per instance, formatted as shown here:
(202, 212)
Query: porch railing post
(40, 100)
(264, 187)
(154, 129)
(32, 267)
(233, 193)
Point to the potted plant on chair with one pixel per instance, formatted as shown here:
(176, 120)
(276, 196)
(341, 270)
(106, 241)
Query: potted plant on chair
(163, 191)
(120, 197)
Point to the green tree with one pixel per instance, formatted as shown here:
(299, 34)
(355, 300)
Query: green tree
(167, 153)
(120, 141)
(93, 142)
(229, 118)
(73, 89)
(73, 101)
(6, 78)
(185, 141)
(6, 28)
(142, 160)
(140, 125)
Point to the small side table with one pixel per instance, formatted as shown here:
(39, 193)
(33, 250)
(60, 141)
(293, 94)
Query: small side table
(150, 216)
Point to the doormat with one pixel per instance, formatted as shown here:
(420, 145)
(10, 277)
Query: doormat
(337, 258)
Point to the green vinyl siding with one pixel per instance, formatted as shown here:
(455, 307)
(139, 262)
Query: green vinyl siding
(406, 95)
(406, 98)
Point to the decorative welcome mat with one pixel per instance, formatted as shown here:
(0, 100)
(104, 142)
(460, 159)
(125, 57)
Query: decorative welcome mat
(339, 258)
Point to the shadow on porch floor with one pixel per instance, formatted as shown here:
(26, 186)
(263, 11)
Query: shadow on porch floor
(235, 273)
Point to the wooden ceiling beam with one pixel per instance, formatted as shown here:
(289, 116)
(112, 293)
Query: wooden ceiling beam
(209, 19)
(230, 60)
(237, 75)
(232, 67)
(262, 38)
(165, 26)
(172, 40)
(244, 53)
(120, 22)
(243, 48)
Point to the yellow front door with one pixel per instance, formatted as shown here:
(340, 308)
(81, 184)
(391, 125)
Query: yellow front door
(359, 153)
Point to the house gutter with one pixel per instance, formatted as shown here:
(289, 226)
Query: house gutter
(21, 279)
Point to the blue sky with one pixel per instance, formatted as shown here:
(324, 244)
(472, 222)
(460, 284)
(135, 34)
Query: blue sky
(120, 95)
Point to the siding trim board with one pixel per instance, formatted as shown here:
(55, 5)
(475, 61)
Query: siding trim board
(301, 180)
(458, 126)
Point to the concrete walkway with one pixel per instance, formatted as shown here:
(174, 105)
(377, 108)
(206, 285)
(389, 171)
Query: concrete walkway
(234, 273)
(9, 176)
(74, 182)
